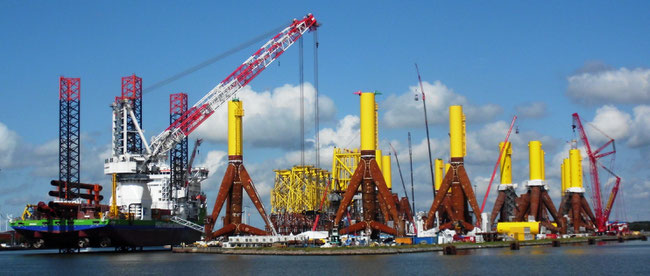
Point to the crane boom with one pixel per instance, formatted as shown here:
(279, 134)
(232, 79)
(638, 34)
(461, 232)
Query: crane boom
(601, 215)
(612, 197)
(197, 143)
(596, 197)
(239, 78)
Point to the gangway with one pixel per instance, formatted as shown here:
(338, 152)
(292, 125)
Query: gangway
(188, 224)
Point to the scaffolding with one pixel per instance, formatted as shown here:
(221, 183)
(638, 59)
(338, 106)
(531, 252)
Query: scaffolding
(344, 162)
(299, 190)
(296, 199)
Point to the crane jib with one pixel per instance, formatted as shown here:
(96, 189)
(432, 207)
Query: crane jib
(239, 78)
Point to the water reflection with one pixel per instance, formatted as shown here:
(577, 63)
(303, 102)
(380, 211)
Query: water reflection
(609, 259)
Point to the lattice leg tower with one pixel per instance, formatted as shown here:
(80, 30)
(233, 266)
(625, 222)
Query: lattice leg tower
(132, 90)
(69, 137)
(178, 156)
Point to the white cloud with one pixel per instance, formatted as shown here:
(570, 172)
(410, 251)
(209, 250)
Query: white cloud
(610, 86)
(610, 120)
(640, 130)
(531, 110)
(346, 134)
(403, 111)
(639, 191)
(483, 145)
(46, 158)
(271, 118)
(621, 126)
(214, 160)
(8, 144)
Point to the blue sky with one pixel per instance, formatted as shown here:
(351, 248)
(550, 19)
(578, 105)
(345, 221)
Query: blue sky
(541, 61)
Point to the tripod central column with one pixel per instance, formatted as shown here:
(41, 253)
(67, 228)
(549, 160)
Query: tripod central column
(368, 129)
(235, 157)
(235, 130)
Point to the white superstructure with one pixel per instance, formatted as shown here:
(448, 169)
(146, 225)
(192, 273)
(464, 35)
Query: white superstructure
(143, 193)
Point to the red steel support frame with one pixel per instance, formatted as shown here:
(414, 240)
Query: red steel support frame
(369, 177)
(455, 201)
(234, 180)
(536, 202)
(576, 207)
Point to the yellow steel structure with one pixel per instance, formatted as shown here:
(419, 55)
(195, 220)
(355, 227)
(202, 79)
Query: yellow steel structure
(506, 164)
(517, 230)
(299, 189)
(344, 162)
(235, 114)
(377, 126)
(457, 131)
(542, 163)
(576, 168)
(439, 166)
(26, 213)
(113, 211)
(535, 160)
(508, 227)
(440, 169)
(386, 171)
(368, 121)
(566, 175)
(378, 158)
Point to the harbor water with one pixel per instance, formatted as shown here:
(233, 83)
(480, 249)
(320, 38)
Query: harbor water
(604, 258)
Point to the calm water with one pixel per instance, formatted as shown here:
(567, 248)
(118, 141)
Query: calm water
(629, 258)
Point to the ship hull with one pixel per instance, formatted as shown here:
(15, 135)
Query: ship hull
(104, 233)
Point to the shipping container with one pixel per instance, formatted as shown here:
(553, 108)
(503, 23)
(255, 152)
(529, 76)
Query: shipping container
(404, 240)
(425, 240)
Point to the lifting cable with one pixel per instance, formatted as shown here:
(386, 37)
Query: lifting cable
(301, 73)
(316, 119)
(212, 60)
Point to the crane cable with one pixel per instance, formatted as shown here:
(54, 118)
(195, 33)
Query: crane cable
(501, 152)
(301, 73)
(316, 119)
(406, 193)
(212, 60)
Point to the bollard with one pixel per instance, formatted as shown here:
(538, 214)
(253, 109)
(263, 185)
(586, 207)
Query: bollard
(514, 246)
(556, 243)
(449, 250)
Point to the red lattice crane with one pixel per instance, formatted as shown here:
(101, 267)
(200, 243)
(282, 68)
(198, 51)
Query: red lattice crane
(239, 78)
(601, 215)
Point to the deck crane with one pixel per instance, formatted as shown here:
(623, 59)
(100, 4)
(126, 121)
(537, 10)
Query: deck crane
(197, 143)
(601, 215)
